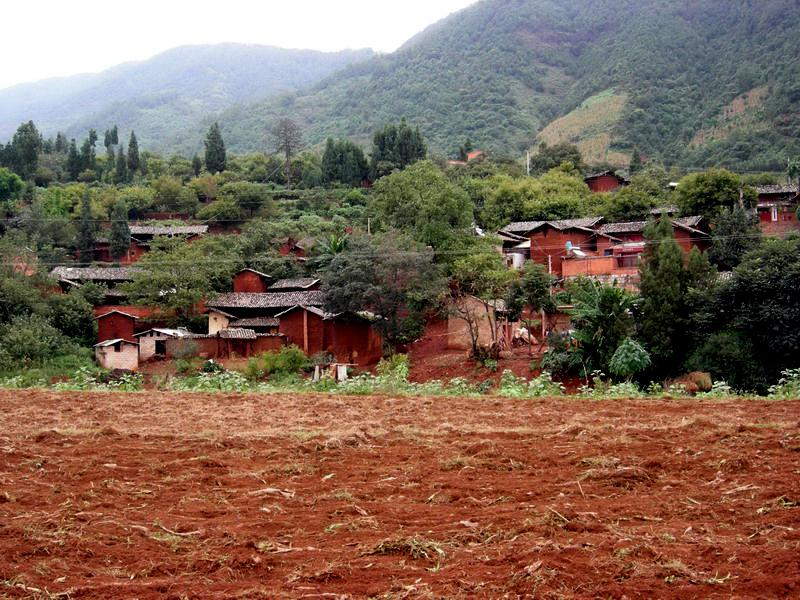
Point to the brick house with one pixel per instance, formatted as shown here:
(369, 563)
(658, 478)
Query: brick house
(142, 237)
(117, 354)
(604, 181)
(777, 209)
(250, 281)
(109, 277)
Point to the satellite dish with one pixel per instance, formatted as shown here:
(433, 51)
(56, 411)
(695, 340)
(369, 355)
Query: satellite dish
(579, 253)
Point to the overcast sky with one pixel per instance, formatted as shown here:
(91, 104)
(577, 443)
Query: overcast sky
(48, 38)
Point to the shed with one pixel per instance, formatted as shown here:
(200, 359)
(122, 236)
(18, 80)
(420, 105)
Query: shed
(251, 281)
(218, 320)
(154, 341)
(116, 324)
(117, 354)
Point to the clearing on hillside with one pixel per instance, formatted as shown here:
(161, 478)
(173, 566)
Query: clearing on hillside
(156, 495)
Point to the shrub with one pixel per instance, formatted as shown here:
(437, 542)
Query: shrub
(629, 359)
(512, 386)
(212, 366)
(289, 360)
(29, 340)
(788, 386)
(183, 366)
(719, 389)
(560, 359)
(395, 368)
(226, 381)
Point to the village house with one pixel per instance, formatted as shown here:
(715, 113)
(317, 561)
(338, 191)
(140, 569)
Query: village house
(142, 237)
(589, 247)
(250, 281)
(604, 181)
(153, 342)
(298, 249)
(117, 354)
(777, 209)
(108, 277)
(124, 322)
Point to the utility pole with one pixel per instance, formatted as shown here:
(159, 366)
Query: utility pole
(528, 161)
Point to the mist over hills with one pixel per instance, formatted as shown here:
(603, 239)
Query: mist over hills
(169, 94)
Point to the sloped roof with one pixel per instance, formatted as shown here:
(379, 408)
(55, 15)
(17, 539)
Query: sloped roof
(528, 226)
(300, 283)
(116, 312)
(257, 322)
(315, 310)
(108, 343)
(259, 273)
(688, 223)
(168, 229)
(270, 300)
(95, 273)
(237, 334)
(776, 189)
(176, 333)
(670, 209)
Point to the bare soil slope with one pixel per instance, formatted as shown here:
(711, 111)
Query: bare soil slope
(244, 496)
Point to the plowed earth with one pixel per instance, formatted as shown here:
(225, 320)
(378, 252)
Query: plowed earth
(246, 496)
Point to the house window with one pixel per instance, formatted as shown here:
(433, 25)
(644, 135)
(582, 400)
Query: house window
(118, 347)
(608, 252)
(774, 213)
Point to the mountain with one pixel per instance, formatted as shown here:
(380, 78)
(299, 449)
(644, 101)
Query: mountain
(165, 96)
(688, 82)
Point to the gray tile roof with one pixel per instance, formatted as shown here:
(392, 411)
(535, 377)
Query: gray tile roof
(271, 300)
(528, 226)
(299, 283)
(257, 322)
(95, 273)
(168, 230)
(638, 226)
(237, 334)
(777, 189)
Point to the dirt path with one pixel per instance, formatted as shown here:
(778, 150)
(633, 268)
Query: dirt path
(244, 496)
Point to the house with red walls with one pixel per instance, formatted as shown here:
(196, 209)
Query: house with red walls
(777, 209)
(142, 237)
(109, 277)
(250, 281)
(605, 181)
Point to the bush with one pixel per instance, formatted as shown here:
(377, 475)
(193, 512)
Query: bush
(512, 386)
(29, 340)
(560, 359)
(788, 386)
(629, 359)
(395, 368)
(289, 360)
(226, 381)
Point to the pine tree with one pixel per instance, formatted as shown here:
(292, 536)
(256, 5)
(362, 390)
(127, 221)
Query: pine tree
(329, 162)
(73, 161)
(87, 230)
(61, 143)
(111, 160)
(636, 161)
(662, 289)
(197, 165)
(107, 138)
(120, 236)
(121, 169)
(215, 150)
(133, 154)
(114, 135)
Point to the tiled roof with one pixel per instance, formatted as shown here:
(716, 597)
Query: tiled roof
(294, 284)
(638, 226)
(259, 273)
(237, 334)
(175, 333)
(670, 209)
(271, 300)
(528, 226)
(95, 273)
(168, 229)
(688, 221)
(312, 309)
(258, 322)
(777, 189)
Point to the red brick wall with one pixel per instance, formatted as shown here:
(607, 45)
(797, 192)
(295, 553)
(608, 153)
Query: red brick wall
(268, 344)
(249, 282)
(604, 183)
(549, 241)
(787, 221)
(353, 341)
(292, 325)
(116, 326)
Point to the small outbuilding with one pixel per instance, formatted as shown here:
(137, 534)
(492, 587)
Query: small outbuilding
(117, 354)
(154, 341)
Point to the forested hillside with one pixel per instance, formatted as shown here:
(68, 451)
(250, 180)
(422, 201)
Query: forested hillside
(165, 96)
(501, 71)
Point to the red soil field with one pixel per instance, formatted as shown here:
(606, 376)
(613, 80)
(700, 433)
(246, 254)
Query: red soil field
(260, 496)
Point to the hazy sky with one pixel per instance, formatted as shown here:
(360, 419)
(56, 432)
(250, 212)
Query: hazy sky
(47, 38)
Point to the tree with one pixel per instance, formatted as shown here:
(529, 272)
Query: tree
(114, 135)
(88, 156)
(26, 146)
(133, 154)
(629, 359)
(121, 168)
(29, 340)
(344, 162)
(175, 275)
(636, 161)
(533, 289)
(736, 232)
(389, 275)
(709, 192)
(627, 204)
(423, 203)
(87, 230)
(602, 316)
(549, 157)
(396, 147)
(662, 290)
(482, 282)
(73, 161)
(120, 236)
(73, 316)
(11, 188)
(60, 145)
(288, 141)
(215, 150)
(250, 197)
(197, 165)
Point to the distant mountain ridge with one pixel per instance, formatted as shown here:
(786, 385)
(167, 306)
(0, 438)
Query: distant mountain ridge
(504, 72)
(162, 97)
